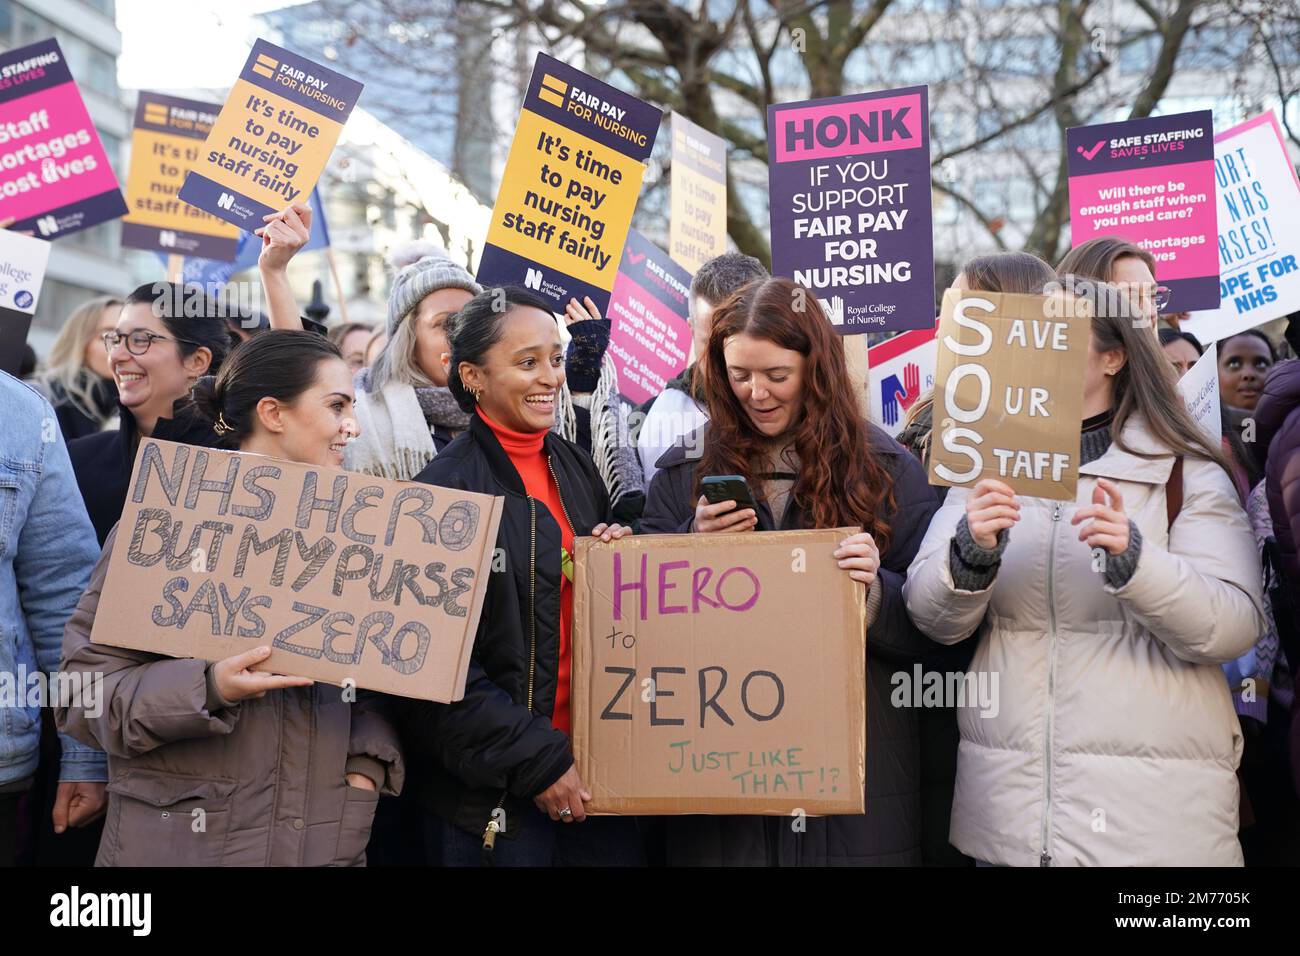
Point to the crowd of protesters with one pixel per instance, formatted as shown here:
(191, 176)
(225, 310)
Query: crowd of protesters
(1158, 692)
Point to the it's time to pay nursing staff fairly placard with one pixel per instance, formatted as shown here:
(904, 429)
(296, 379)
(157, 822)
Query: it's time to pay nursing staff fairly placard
(849, 181)
(272, 138)
(165, 144)
(570, 184)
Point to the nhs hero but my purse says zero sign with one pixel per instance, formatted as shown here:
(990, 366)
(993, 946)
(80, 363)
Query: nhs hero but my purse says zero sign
(849, 183)
(344, 575)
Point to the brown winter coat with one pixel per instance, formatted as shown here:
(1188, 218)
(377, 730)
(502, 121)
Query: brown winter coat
(268, 773)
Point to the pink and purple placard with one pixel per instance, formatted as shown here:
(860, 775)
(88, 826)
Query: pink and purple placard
(1151, 182)
(55, 178)
(849, 186)
(650, 329)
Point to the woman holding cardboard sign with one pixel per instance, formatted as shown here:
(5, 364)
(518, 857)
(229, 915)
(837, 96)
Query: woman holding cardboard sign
(1115, 741)
(217, 764)
(784, 415)
(501, 783)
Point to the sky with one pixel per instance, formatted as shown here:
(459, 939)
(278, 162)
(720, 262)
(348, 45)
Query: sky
(190, 45)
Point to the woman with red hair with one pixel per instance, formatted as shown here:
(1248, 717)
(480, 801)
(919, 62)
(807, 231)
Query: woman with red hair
(785, 415)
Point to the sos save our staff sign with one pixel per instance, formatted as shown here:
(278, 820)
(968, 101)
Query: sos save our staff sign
(345, 576)
(720, 673)
(1008, 395)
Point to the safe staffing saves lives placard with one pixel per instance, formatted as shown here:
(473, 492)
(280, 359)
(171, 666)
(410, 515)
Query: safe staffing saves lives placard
(55, 178)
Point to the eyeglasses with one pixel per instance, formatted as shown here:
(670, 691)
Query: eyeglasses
(137, 342)
(1157, 295)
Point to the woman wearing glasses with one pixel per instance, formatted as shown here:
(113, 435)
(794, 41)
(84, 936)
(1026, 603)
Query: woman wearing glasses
(158, 350)
(1129, 270)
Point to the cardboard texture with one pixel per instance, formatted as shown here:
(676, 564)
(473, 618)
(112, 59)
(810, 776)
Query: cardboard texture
(1008, 396)
(343, 575)
(719, 674)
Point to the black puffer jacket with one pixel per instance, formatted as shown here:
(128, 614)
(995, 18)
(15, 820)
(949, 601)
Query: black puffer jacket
(889, 832)
(492, 746)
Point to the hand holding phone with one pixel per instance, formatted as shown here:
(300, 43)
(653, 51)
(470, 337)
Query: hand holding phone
(726, 505)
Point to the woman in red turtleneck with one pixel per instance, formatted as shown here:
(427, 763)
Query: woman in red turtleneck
(525, 452)
(500, 773)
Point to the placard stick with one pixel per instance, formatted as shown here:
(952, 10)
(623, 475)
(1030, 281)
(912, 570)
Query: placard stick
(338, 286)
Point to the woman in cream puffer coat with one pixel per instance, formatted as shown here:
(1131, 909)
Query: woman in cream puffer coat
(1113, 740)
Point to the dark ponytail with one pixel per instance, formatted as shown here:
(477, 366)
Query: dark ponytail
(279, 364)
(477, 327)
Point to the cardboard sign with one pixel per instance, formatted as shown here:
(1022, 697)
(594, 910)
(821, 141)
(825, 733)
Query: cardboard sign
(1259, 250)
(1008, 395)
(900, 370)
(650, 334)
(1200, 390)
(1151, 181)
(570, 184)
(344, 576)
(697, 224)
(272, 138)
(849, 181)
(22, 271)
(55, 177)
(719, 673)
(165, 144)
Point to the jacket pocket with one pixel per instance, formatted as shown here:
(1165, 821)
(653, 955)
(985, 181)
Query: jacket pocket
(167, 819)
(8, 508)
(354, 826)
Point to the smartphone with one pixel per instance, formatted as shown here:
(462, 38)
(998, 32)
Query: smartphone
(718, 488)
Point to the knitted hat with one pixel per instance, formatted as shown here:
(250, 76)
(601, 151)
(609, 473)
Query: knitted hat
(417, 280)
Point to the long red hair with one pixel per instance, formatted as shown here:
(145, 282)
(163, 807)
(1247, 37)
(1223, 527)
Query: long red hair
(841, 483)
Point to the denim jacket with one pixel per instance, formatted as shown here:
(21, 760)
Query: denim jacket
(47, 551)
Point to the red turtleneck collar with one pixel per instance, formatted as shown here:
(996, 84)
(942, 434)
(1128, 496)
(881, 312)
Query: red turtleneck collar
(516, 444)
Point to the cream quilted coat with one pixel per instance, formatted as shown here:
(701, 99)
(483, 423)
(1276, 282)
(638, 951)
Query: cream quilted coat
(1115, 741)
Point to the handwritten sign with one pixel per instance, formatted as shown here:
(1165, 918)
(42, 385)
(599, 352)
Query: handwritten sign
(570, 184)
(697, 221)
(1259, 251)
(55, 177)
(849, 179)
(1151, 181)
(345, 576)
(272, 138)
(165, 144)
(650, 335)
(1008, 395)
(719, 674)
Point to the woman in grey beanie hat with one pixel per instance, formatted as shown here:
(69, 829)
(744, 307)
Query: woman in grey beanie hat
(405, 411)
